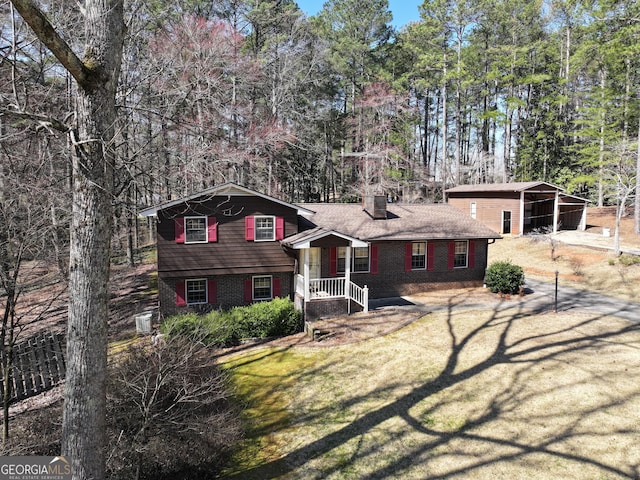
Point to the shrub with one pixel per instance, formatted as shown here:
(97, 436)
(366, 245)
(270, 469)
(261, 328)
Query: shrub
(628, 260)
(169, 414)
(222, 329)
(504, 277)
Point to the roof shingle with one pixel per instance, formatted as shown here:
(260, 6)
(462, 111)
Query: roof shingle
(403, 222)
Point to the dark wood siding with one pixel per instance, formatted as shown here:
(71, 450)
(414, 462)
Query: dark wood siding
(231, 253)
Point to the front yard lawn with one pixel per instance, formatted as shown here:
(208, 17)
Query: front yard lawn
(483, 394)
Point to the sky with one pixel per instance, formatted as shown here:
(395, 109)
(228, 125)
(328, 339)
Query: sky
(404, 11)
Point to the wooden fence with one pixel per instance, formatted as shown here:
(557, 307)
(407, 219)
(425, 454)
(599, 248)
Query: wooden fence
(38, 365)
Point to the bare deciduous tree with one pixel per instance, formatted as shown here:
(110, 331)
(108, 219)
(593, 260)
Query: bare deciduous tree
(163, 400)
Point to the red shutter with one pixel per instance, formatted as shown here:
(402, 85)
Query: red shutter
(277, 287)
(452, 255)
(472, 253)
(373, 268)
(408, 254)
(248, 290)
(333, 261)
(181, 297)
(279, 228)
(179, 230)
(431, 255)
(248, 228)
(212, 227)
(212, 292)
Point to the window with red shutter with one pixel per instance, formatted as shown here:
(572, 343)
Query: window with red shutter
(248, 290)
(279, 228)
(249, 228)
(277, 287)
(408, 254)
(451, 257)
(181, 298)
(212, 292)
(333, 261)
(431, 255)
(212, 229)
(179, 229)
(374, 260)
(472, 253)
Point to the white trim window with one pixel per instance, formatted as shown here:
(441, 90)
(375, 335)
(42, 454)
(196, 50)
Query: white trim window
(196, 291)
(419, 256)
(195, 230)
(461, 254)
(262, 287)
(473, 209)
(265, 228)
(360, 259)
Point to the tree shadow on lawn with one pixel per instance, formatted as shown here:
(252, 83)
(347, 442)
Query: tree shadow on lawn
(558, 344)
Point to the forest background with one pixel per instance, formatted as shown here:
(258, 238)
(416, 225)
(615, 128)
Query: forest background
(330, 107)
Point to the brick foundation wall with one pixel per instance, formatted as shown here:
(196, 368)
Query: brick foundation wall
(229, 289)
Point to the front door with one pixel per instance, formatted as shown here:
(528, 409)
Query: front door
(506, 222)
(315, 270)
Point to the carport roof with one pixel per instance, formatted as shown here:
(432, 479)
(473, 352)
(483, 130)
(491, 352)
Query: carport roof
(501, 187)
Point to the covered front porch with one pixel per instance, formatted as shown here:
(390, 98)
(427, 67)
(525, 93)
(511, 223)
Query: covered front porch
(339, 294)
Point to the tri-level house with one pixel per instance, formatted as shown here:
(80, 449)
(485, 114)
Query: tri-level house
(229, 246)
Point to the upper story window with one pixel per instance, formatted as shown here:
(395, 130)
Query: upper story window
(419, 255)
(195, 229)
(473, 209)
(460, 254)
(265, 228)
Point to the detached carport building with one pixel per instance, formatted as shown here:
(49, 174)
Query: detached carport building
(520, 207)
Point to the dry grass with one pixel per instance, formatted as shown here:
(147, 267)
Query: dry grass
(485, 395)
(580, 267)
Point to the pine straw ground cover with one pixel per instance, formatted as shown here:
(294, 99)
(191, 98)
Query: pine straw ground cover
(483, 394)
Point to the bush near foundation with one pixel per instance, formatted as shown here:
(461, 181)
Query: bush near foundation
(504, 277)
(276, 318)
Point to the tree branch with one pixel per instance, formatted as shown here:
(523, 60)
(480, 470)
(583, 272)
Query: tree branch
(43, 121)
(52, 40)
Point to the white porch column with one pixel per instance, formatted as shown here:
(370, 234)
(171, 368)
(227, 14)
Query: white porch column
(347, 272)
(556, 212)
(305, 270)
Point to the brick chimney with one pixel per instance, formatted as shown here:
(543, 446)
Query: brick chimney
(376, 206)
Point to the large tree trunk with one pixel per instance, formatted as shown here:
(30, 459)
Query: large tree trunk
(83, 429)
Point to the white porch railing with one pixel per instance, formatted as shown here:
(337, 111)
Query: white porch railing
(360, 295)
(324, 288)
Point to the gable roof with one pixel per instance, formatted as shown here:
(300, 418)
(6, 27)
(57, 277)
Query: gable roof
(228, 188)
(403, 222)
(501, 187)
(304, 238)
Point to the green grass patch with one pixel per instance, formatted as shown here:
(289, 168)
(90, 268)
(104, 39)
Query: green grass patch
(262, 381)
